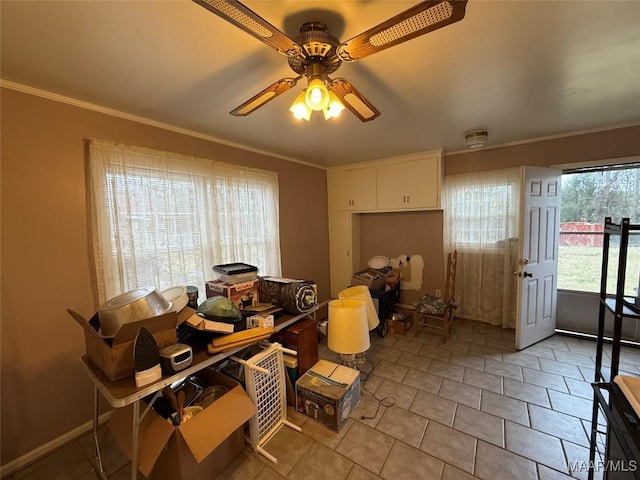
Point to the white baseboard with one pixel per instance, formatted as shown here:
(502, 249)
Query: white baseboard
(43, 450)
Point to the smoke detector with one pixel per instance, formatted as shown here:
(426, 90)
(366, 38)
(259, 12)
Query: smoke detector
(476, 138)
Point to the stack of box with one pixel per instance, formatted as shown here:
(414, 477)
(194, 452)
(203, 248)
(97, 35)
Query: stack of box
(237, 282)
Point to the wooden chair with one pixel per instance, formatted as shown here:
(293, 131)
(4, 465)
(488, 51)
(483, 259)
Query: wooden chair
(439, 312)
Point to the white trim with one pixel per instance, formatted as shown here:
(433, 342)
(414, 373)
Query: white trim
(43, 450)
(545, 138)
(388, 160)
(147, 121)
(597, 163)
(116, 113)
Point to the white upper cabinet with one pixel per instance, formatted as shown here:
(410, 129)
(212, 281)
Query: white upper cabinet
(410, 182)
(352, 189)
(410, 185)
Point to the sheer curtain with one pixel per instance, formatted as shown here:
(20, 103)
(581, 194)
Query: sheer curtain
(481, 221)
(162, 219)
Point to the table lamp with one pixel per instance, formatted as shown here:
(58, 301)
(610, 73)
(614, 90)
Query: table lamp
(348, 332)
(361, 292)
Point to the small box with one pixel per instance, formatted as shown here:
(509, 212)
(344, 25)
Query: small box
(244, 295)
(374, 279)
(260, 321)
(233, 273)
(114, 356)
(400, 327)
(199, 448)
(328, 393)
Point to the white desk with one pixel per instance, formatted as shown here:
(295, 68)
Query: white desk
(124, 392)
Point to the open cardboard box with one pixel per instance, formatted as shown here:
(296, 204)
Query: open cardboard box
(202, 447)
(114, 356)
(400, 327)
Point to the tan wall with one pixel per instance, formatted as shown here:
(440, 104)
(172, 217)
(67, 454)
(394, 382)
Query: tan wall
(408, 233)
(45, 264)
(45, 261)
(421, 232)
(608, 144)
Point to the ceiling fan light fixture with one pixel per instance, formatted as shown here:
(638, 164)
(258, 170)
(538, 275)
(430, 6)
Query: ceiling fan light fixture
(316, 53)
(256, 102)
(476, 138)
(317, 96)
(299, 108)
(334, 108)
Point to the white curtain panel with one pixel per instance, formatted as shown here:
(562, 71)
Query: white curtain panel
(162, 219)
(481, 221)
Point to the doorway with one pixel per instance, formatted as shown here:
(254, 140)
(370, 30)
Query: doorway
(591, 193)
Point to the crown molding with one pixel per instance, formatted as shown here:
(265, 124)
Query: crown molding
(146, 121)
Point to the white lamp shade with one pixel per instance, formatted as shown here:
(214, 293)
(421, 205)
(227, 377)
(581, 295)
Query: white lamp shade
(360, 292)
(347, 331)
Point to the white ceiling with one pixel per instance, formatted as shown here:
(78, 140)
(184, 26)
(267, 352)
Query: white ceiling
(520, 69)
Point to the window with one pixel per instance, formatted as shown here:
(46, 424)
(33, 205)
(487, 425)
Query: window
(482, 208)
(162, 219)
(481, 223)
(588, 196)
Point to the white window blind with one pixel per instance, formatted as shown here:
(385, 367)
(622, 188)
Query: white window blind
(162, 219)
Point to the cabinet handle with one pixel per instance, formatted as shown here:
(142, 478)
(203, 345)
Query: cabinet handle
(404, 199)
(408, 199)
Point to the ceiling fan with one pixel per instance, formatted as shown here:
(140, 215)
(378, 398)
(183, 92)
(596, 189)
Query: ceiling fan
(315, 53)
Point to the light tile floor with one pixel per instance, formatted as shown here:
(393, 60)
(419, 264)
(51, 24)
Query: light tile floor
(469, 408)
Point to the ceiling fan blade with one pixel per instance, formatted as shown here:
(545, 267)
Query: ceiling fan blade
(243, 17)
(265, 96)
(353, 100)
(418, 20)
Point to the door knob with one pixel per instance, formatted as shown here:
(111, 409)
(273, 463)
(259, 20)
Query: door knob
(527, 274)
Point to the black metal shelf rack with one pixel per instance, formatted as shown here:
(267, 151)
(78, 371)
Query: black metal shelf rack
(622, 307)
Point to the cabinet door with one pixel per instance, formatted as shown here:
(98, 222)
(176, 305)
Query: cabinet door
(344, 249)
(352, 190)
(409, 185)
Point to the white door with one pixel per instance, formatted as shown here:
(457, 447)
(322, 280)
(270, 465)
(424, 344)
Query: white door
(344, 249)
(538, 256)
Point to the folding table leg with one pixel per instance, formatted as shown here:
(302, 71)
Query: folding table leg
(97, 458)
(134, 440)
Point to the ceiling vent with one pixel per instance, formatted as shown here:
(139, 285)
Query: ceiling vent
(476, 138)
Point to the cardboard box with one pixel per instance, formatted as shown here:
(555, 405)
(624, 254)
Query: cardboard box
(244, 295)
(200, 448)
(400, 327)
(114, 356)
(374, 279)
(260, 321)
(328, 393)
